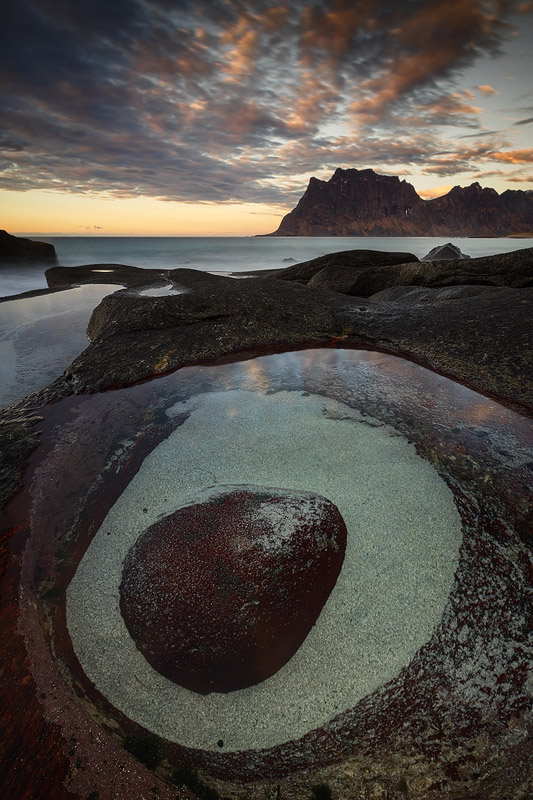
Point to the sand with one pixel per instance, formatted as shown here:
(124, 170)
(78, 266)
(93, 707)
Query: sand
(404, 534)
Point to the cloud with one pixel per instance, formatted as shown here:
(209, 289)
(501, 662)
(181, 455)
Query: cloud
(521, 178)
(486, 89)
(515, 156)
(524, 121)
(437, 191)
(226, 101)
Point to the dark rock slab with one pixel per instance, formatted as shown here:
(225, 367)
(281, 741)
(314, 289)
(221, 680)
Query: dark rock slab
(15, 249)
(423, 294)
(344, 261)
(66, 277)
(134, 336)
(506, 269)
(484, 341)
(443, 252)
(220, 594)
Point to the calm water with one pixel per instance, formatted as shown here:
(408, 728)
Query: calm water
(40, 336)
(223, 254)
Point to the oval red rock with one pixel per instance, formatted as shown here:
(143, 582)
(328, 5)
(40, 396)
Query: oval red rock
(220, 594)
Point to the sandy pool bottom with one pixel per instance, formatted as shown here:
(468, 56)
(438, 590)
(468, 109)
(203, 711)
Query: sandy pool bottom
(404, 534)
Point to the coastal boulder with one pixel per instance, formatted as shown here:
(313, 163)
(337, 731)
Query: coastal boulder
(505, 269)
(345, 261)
(443, 252)
(220, 594)
(16, 250)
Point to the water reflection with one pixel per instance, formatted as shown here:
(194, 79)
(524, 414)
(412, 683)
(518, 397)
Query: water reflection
(164, 291)
(40, 336)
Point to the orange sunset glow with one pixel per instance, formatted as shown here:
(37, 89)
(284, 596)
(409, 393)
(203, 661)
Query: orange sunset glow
(147, 118)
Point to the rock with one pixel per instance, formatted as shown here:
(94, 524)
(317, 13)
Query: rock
(481, 341)
(421, 294)
(16, 250)
(220, 595)
(346, 261)
(65, 277)
(247, 311)
(443, 252)
(506, 269)
(476, 333)
(362, 203)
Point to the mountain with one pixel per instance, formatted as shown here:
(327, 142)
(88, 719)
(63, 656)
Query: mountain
(362, 203)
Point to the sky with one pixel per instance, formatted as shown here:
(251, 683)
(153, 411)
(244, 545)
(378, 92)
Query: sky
(208, 117)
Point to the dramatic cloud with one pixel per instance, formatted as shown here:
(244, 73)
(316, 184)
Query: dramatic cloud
(224, 100)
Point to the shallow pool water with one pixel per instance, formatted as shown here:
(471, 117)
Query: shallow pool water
(164, 291)
(40, 336)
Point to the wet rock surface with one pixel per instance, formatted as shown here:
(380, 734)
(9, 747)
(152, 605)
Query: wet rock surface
(481, 338)
(220, 594)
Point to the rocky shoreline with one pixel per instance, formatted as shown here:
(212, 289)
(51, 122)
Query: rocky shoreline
(467, 319)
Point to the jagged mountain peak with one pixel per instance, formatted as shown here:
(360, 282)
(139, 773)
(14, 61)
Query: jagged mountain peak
(364, 203)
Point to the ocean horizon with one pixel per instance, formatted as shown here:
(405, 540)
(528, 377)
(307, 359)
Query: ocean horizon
(224, 254)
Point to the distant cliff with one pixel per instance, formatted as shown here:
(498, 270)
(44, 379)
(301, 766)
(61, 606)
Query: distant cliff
(15, 250)
(362, 203)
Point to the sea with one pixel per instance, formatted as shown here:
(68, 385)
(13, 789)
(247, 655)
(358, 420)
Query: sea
(222, 254)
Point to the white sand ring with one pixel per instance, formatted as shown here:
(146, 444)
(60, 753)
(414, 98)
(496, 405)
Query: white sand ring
(404, 534)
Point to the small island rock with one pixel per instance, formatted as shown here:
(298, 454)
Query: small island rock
(443, 252)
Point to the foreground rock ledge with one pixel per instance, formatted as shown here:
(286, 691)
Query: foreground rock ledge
(220, 594)
(479, 334)
(477, 329)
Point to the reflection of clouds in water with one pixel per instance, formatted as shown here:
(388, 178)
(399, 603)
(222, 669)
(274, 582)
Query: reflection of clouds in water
(256, 376)
(404, 535)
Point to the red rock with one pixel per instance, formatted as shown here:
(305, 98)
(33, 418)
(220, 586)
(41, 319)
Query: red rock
(220, 595)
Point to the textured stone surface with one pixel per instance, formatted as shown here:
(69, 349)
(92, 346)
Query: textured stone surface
(463, 321)
(443, 252)
(65, 277)
(346, 261)
(355, 276)
(220, 594)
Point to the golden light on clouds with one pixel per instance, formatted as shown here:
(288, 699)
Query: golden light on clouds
(486, 89)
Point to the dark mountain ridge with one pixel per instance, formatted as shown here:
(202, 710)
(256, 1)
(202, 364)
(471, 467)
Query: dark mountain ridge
(362, 203)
